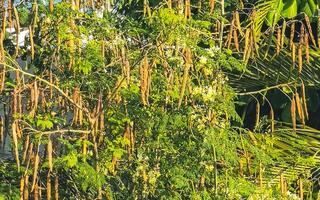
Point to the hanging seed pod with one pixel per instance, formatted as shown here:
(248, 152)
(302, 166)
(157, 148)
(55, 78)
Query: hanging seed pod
(278, 40)
(56, 187)
(50, 152)
(21, 187)
(310, 29)
(202, 181)
(257, 114)
(304, 100)
(26, 188)
(293, 113)
(246, 46)
(283, 33)
(169, 3)
(282, 184)
(187, 11)
(229, 40)
(299, 108)
(17, 27)
(260, 175)
(144, 79)
(306, 40)
(31, 42)
(10, 19)
(25, 148)
(132, 139)
(188, 63)
(238, 23)
(300, 188)
(51, 5)
(36, 191)
(75, 98)
(126, 135)
(302, 33)
(15, 143)
(35, 170)
(34, 99)
(212, 4)
(84, 146)
(293, 27)
(300, 60)
(293, 54)
(145, 4)
(48, 186)
(30, 154)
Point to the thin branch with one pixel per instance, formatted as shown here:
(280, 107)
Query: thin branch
(265, 89)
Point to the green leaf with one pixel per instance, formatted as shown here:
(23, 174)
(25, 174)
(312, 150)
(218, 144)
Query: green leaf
(274, 14)
(308, 7)
(290, 9)
(44, 124)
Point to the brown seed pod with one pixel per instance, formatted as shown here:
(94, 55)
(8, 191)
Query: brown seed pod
(282, 184)
(238, 23)
(300, 59)
(31, 42)
(169, 3)
(300, 188)
(283, 33)
(15, 143)
(299, 108)
(230, 34)
(257, 113)
(247, 48)
(21, 187)
(25, 148)
(293, 113)
(310, 29)
(17, 27)
(50, 152)
(187, 11)
(30, 154)
(293, 53)
(35, 170)
(36, 191)
(306, 40)
(212, 4)
(293, 27)
(188, 63)
(278, 48)
(304, 100)
(56, 187)
(48, 186)
(144, 80)
(51, 5)
(26, 188)
(10, 19)
(84, 147)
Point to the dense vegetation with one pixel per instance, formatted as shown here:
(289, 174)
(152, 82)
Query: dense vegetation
(155, 99)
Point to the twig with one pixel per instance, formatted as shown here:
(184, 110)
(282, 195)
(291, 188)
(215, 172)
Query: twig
(265, 89)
